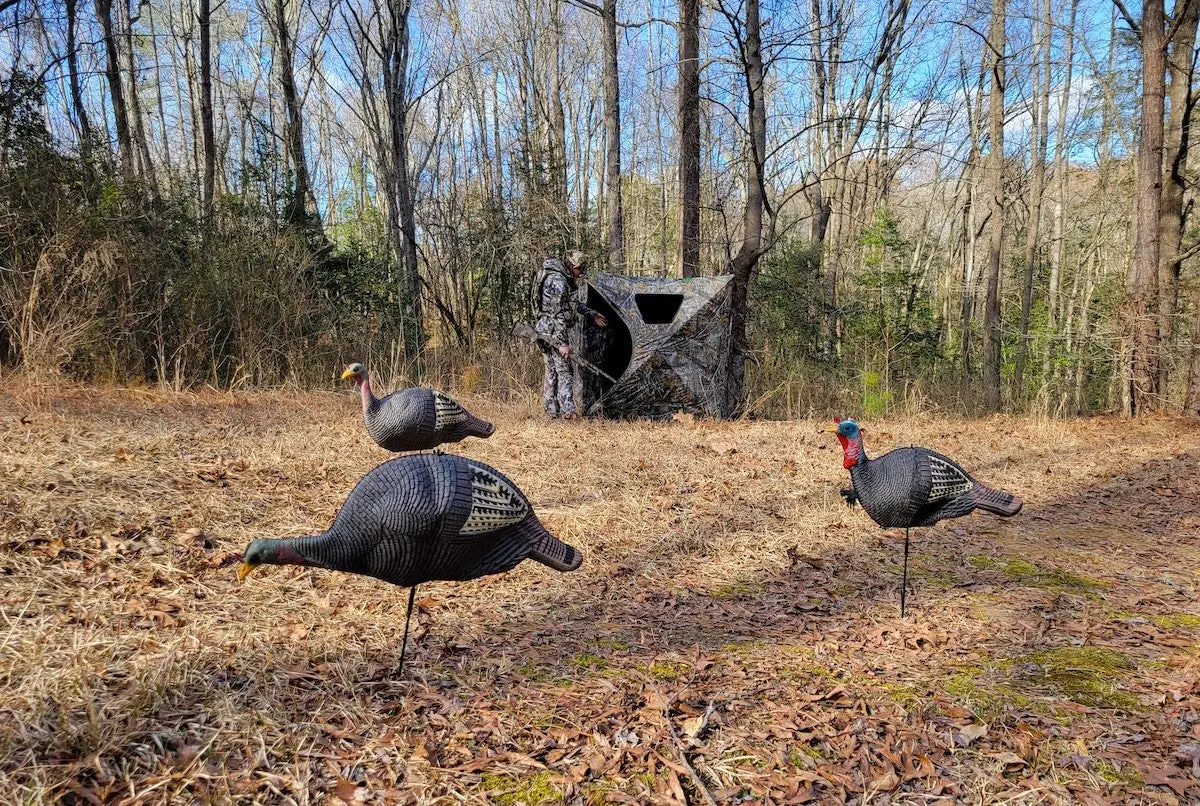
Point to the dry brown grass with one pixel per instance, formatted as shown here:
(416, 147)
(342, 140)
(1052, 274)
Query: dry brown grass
(721, 569)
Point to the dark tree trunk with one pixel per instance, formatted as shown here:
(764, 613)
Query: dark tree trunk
(1140, 314)
(137, 119)
(208, 180)
(612, 126)
(992, 336)
(116, 91)
(1180, 64)
(556, 141)
(396, 53)
(81, 115)
(302, 207)
(689, 137)
(1040, 109)
(1191, 402)
(745, 263)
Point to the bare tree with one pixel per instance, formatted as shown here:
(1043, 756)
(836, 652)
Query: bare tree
(992, 336)
(744, 264)
(115, 88)
(395, 71)
(72, 54)
(1039, 139)
(302, 206)
(610, 78)
(208, 134)
(1140, 326)
(1191, 402)
(689, 137)
(137, 119)
(1181, 59)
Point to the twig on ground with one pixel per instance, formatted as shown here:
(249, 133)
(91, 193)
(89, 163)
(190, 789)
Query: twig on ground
(682, 751)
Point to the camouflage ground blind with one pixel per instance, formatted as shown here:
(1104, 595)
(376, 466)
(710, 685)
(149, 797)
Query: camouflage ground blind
(667, 346)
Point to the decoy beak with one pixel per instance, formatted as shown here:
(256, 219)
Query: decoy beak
(831, 429)
(244, 570)
(347, 373)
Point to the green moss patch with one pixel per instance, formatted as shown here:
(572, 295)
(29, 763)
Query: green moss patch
(971, 687)
(736, 590)
(585, 661)
(1117, 773)
(507, 790)
(1171, 621)
(1026, 573)
(1088, 675)
(668, 670)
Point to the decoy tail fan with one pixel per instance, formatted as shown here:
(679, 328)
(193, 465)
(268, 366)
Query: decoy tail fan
(548, 549)
(996, 501)
(479, 428)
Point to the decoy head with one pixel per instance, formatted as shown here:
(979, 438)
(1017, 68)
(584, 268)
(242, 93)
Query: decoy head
(356, 371)
(268, 552)
(849, 433)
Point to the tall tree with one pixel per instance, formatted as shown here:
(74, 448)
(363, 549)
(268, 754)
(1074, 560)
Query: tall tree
(112, 71)
(302, 206)
(1181, 58)
(137, 119)
(1191, 401)
(612, 127)
(208, 134)
(1140, 326)
(992, 336)
(689, 137)
(1039, 139)
(400, 201)
(77, 103)
(611, 79)
(744, 265)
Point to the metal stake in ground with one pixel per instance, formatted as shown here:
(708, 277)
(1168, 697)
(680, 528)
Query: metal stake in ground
(412, 595)
(903, 584)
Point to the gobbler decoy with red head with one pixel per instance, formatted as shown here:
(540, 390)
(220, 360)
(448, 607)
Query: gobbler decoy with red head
(913, 487)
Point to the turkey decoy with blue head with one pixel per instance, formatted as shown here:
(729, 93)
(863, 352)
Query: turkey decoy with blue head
(420, 518)
(415, 419)
(913, 486)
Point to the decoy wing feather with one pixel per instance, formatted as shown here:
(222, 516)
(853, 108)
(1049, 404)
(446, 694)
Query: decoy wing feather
(948, 479)
(494, 504)
(447, 411)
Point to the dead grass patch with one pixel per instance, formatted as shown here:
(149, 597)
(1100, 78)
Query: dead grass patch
(722, 570)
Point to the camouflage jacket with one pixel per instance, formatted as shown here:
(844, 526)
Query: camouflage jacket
(554, 296)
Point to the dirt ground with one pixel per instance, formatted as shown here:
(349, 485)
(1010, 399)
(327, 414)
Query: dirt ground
(733, 634)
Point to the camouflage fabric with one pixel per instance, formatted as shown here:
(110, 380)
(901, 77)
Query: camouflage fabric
(667, 344)
(558, 390)
(553, 292)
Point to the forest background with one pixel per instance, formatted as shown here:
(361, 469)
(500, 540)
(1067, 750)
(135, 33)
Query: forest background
(923, 204)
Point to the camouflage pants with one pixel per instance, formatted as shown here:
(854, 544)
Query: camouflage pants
(558, 391)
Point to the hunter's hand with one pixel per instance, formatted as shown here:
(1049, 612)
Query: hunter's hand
(564, 351)
(600, 320)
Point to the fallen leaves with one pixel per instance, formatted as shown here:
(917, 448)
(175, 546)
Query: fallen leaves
(737, 634)
(967, 734)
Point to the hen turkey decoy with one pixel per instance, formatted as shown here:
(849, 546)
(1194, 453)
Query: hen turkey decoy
(414, 419)
(420, 518)
(913, 486)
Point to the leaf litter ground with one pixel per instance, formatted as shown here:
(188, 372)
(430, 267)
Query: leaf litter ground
(733, 635)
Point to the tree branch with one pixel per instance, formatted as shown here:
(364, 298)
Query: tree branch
(1129, 20)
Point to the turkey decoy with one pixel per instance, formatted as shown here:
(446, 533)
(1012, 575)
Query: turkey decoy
(913, 487)
(414, 419)
(420, 518)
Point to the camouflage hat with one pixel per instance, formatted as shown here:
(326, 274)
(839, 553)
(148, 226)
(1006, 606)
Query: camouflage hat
(576, 259)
